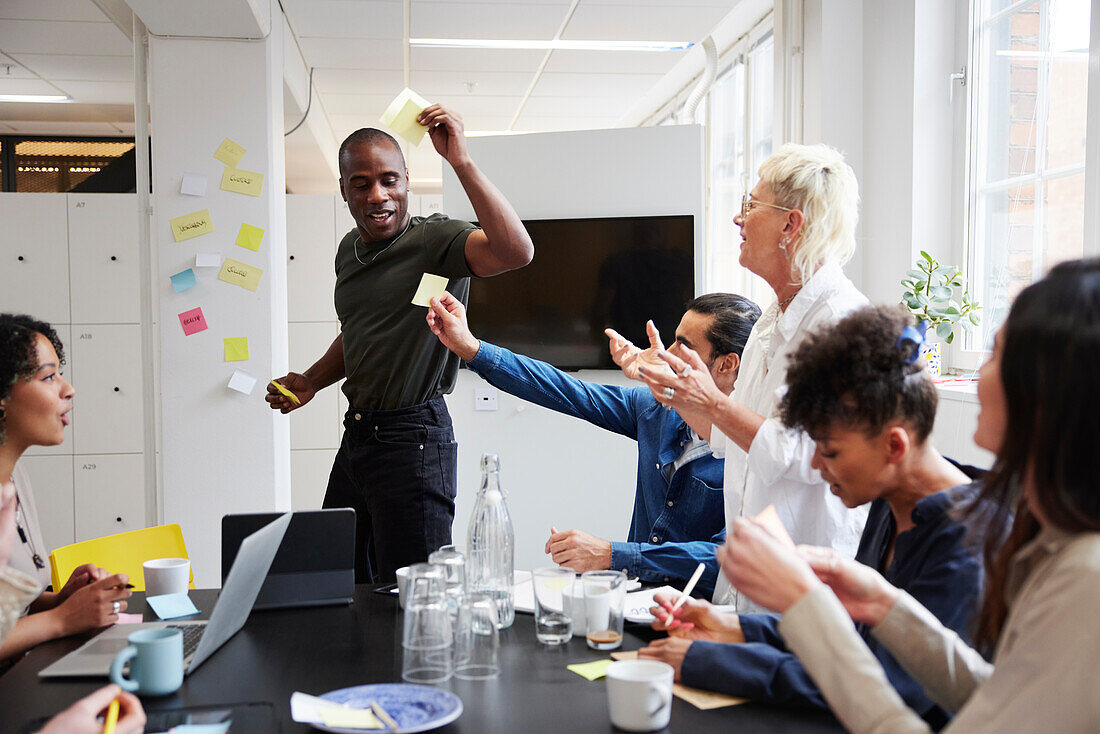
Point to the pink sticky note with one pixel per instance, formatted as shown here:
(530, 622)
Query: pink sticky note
(193, 321)
(124, 618)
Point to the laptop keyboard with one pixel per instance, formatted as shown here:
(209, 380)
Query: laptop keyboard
(192, 633)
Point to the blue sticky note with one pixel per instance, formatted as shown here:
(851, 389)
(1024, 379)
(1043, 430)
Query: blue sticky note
(170, 606)
(220, 728)
(183, 280)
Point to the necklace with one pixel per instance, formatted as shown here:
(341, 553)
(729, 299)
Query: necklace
(26, 537)
(787, 301)
(359, 238)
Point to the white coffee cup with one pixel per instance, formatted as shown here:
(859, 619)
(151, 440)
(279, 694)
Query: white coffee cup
(402, 583)
(639, 694)
(166, 576)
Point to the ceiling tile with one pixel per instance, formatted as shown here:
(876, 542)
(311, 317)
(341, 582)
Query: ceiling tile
(12, 69)
(576, 107)
(359, 81)
(49, 37)
(614, 62)
(99, 92)
(456, 83)
(595, 85)
(554, 124)
(51, 10)
(485, 20)
(669, 5)
(346, 18)
(474, 59)
(54, 127)
(80, 68)
(347, 53)
(357, 104)
(680, 22)
(472, 105)
(27, 86)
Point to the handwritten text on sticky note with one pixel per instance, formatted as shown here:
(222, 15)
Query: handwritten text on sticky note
(191, 225)
(229, 153)
(242, 182)
(239, 273)
(250, 236)
(236, 349)
(431, 286)
(193, 321)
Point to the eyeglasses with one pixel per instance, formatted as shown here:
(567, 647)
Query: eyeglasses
(748, 204)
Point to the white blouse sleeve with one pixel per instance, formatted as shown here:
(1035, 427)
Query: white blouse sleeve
(17, 590)
(780, 453)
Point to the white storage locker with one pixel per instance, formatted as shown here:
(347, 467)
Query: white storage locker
(313, 426)
(104, 268)
(34, 256)
(109, 492)
(311, 252)
(52, 483)
(108, 413)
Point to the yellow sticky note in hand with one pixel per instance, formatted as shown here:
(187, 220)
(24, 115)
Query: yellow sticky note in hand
(191, 225)
(343, 717)
(401, 116)
(236, 349)
(242, 182)
(431, 286)
(239, 273)
(293, 398)
(250, 237)
(229, 153)
(592, 671)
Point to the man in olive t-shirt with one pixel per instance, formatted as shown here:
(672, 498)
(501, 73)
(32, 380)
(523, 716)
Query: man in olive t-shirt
(397, 463)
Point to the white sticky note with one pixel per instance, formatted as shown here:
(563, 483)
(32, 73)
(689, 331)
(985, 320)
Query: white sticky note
(193, 184)
(208, 260)
(242, 382)
(401, 116)
(431, 286)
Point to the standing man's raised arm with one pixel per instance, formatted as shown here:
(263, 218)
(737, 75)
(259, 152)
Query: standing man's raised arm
(502, 244)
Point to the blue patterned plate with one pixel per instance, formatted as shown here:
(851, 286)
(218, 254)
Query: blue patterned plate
(414, 708)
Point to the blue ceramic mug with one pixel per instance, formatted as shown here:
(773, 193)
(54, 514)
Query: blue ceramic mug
(156, 663)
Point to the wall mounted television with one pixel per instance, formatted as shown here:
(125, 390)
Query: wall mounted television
(588, 274)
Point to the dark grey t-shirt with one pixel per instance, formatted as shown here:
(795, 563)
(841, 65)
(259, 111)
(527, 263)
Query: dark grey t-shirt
(391, 358)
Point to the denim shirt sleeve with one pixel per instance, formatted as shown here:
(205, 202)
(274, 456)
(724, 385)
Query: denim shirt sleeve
(608, 406)
(670, 562)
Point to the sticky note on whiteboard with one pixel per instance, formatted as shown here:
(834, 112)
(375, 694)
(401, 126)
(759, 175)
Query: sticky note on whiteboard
(193, 184)
(431, 286)
(183, 280)
(236, 349)
(401, 115)
(193, 321)
(242, 382)
(250, 236)
(229, 153)
(208, 259)
(191, 225)
(242, 182)
(241, 274)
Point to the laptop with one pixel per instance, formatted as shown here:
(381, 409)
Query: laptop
(315, 565)
(200, 639)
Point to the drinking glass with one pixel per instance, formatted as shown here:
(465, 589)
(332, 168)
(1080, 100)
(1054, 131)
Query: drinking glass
(604, 598)
(476, 638)
(553, 622)
(453, 564)
(427, 641)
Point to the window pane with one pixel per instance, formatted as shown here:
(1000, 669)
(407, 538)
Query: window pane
(727, 162)
(1010, 93)
(1063, 220)
(762, 62)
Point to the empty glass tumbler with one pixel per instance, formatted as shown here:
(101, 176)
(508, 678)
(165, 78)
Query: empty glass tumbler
(553, 620)
(427, 642)
(477, 640)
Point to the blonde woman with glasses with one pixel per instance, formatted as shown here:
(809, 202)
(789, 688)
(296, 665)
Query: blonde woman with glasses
(797, 230)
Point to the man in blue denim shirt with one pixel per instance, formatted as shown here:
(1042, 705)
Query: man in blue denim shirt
(678, 518)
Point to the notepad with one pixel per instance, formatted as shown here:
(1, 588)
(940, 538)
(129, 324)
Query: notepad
(170, 606)
(592, 671)
(401, 116)
(431, 286)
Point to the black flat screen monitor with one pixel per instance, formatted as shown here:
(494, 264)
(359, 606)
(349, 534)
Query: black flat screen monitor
(587, 275)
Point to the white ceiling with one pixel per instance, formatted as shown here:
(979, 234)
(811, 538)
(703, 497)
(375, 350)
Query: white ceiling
(356, 48)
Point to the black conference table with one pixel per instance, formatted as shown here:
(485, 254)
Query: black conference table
(321, 649)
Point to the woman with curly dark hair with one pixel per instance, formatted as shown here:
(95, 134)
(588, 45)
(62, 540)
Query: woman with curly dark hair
(1040, 411)
(858, 389)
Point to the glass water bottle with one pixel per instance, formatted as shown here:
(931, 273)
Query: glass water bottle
(490, 544)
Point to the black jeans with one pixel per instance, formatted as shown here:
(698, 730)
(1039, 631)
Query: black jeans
(398, 470)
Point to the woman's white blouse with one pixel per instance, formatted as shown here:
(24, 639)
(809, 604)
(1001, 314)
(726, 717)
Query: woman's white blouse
(776, 470)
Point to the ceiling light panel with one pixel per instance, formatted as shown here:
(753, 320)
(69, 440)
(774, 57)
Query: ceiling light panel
(346, 19)
(485, 20)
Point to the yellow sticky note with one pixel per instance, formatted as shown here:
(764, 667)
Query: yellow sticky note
(191, 225)
(431, 286)
(250, 236)
(238, 273)
(401, 116)
(236, 349)
(242, 182)
(343, 717)
(229, 153)
(592, 671)
(293, 398)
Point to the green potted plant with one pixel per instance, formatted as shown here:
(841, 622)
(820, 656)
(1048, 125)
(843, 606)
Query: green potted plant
(929, 294)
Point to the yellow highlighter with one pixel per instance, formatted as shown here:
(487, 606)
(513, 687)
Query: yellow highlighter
(111, 719)
(286, 392)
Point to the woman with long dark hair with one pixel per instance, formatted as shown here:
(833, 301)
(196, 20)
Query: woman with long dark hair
(1040, 411)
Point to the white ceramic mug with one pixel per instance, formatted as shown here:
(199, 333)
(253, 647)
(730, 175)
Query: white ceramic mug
(402, 583)
(639, 694)
(166, 576)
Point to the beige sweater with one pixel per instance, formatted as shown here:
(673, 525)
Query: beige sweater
(17, 590)
(1046, 672)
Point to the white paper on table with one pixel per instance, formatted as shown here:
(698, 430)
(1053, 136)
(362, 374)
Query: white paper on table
(242, 382)
(305, 709)
(208, 260)
(193, 184)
